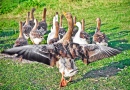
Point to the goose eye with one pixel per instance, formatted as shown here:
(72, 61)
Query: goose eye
(41, 36)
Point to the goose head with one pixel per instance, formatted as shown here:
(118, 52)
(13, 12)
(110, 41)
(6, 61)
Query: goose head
(44, 14)
(67, 66)
(78, 24)
(98, 20)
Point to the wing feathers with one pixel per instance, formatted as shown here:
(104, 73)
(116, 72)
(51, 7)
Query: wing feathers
(31, 52)
(97, 52)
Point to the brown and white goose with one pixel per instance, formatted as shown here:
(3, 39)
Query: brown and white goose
(99, 37)
(35, 34)
(65, 51)
(61, 29)
(84, 34)
(43, 25)
(27, 27)
(75, 30)
(31, 21)
(21, 40)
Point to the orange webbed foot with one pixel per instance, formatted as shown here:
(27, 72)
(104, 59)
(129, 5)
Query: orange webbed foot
(63, 82)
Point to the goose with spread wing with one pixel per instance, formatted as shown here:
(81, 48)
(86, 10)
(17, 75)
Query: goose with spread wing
(64, 51)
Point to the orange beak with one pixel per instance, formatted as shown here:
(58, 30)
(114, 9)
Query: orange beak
(64, 13)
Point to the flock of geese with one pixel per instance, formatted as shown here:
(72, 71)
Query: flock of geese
(63, 46)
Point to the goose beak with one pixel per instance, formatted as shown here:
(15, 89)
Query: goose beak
(64, 13)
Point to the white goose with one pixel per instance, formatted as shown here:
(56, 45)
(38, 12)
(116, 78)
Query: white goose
(53, 29)
(77, 38)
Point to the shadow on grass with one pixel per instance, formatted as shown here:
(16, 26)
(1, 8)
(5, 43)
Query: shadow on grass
(8, 32)
(106, 71)
(120, 44)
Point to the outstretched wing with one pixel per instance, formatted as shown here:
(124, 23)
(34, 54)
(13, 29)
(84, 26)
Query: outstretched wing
(97, 52)
(38, 53)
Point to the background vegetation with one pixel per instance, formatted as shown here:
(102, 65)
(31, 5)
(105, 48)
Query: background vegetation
(107, 74)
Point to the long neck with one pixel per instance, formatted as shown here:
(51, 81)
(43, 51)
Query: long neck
(56, 17)
(53, 26)
(61, 17)
(44, 15)
(57, 30)
(36, 25)
(79, 29)
(31, 14)
(74, 20)
(68, 34)
(27, 19)
(20, 30)
(98, 24)
(83, 25)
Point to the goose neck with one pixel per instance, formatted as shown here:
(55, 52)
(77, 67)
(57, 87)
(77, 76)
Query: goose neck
(20, 30)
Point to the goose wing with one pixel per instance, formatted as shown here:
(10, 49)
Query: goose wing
(97, 52)
(38, 53)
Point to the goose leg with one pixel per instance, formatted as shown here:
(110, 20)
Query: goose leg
(70, 79)
(20, 59)
(85, 60)
(63, 82)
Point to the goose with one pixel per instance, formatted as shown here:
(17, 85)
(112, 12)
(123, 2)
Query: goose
(21, 40)
(77, 38)
(43, 25)
(75, 28)
(99, 37)
(56, 36)
(31, 21)
(53, 28)
(27, 28)
(64, 52)
(35, 34)
(61, 29)
(83, 34)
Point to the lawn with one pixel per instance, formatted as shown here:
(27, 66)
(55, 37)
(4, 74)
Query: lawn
(107, 74)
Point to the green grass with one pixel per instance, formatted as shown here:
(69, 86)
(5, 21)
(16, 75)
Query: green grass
(107, 74)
